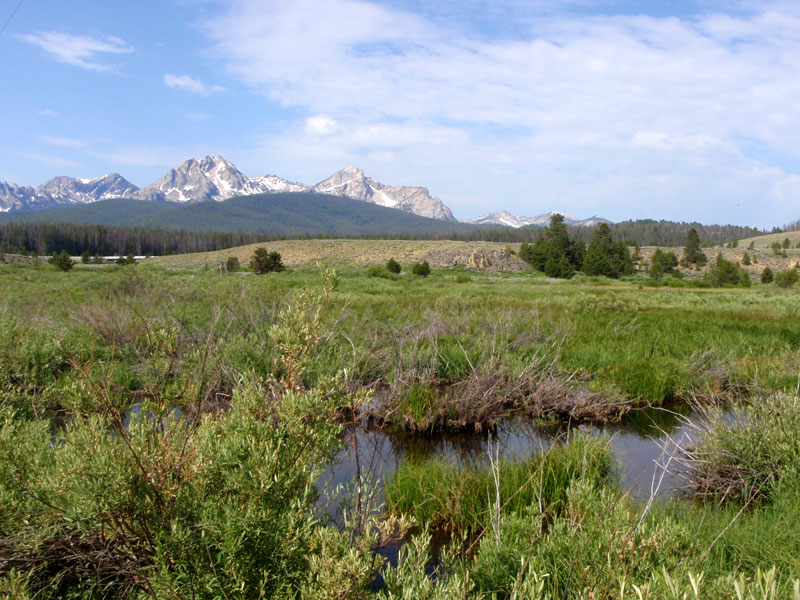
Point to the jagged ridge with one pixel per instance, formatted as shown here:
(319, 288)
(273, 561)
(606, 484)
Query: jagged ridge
(217, 179)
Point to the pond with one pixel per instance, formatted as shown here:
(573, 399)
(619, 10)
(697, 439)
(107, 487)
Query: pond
(642, 448)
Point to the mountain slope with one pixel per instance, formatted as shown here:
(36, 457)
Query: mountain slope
(119, 212)
(281, 213)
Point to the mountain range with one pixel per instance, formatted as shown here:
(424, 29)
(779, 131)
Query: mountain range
(508, 219)
(217, 179)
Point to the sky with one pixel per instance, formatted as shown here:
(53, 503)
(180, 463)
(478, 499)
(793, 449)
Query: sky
(620, 108)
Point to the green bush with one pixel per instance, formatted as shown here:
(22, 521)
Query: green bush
(266, 262)
(393, 266)
(380, 271)
(726, 273)
(767, 276)
(750, 457)
(422, 269)
(232, 264)
(787, 278)
(61, 261)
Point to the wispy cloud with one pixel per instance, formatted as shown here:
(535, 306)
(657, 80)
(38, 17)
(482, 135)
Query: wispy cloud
(644, 113)
(187, 83)
(48, 112)
(57, 161)
(77, 50)
(65, 142)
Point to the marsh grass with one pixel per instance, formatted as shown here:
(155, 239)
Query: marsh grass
(453, 497)
(95, 502)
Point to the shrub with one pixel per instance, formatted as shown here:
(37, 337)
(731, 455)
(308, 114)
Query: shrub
(463, 278)
(767, 276)
(61, 260)
(787, 278)
(662, 262)
(232, 264)
(422, 269)
(749, 457)
(86, 257)
(724, 272)
(266, 262)
(380, 271)
(746, 259)
(393, 266)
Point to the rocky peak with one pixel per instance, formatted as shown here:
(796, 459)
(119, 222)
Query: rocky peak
(207, 178)
(351, 182)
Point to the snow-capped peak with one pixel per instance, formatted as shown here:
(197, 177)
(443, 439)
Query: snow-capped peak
(507, 219)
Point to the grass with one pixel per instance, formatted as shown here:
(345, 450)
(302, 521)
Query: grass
(401, 337)
(260, 373)
(443, 495)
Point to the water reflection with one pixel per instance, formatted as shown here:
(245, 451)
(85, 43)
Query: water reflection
(642, 450)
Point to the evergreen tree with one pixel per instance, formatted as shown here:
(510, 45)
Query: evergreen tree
(692, 254)
(606, 257)
(61, 260)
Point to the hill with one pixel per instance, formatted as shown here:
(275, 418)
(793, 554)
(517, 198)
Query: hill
(765, 241)
(442, 253)
(286, 213)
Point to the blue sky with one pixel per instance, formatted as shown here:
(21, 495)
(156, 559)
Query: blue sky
(677, 110)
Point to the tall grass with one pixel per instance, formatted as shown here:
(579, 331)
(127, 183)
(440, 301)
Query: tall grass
(453, 497)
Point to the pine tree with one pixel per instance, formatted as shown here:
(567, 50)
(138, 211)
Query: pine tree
(692, 254)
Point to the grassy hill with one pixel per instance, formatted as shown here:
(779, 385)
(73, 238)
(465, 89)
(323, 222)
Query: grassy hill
(440, 253)
(285, 213)
(763, 242)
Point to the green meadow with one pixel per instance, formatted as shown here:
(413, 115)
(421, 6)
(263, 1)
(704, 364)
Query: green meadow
(164, 428)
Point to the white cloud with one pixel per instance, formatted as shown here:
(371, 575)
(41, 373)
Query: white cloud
(77, 50)
(320, 125)
(48, 112)
(187, 83)
(622, 114)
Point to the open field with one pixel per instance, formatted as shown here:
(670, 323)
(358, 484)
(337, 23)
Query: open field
(160, 421)
(362, 252)
(485, 256)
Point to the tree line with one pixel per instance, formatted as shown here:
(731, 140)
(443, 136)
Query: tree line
(75, 239)
(46, 238)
